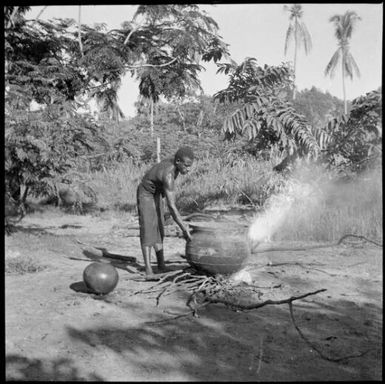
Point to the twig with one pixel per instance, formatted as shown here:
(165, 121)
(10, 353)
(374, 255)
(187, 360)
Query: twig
(247, 197)
(260, 355)
(302, 266)
(267, 302)
(175, 285)
(10, 21)
(131, 32)
(151, 65)
(292, 249)
(359, 237)
(39, 14)
(311, 345)
(177, 316)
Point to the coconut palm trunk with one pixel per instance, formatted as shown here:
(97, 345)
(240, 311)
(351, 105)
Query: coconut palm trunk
(152, 117)
(295, 65)
(343, 86)
(344, 27)
(298, 30)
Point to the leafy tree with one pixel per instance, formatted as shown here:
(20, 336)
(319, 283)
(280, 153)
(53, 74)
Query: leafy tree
(55, 63)
(42, 146)
(185, 36)
(354, 141)
(297, 30)
(344, 26)
(257, 106)
(318, 107)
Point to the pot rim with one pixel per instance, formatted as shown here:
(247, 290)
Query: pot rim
(211, 226)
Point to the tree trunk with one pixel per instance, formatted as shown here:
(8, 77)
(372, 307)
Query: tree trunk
(343, 85)
(79, 32)
(295, 58)
(181, 117)
(24, 193)
(152, 117)
(158, 149)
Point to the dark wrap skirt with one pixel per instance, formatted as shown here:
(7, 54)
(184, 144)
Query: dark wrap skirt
(151, 216)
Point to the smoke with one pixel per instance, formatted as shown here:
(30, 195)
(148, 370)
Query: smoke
(314, 199)
(279, 207)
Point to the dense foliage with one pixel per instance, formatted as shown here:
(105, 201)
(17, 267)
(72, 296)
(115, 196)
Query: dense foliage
(354, 142)
(265, 114)
(57, 64)
(318, 107)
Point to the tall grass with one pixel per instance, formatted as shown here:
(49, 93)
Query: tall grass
(214, 182)
(15, 263)
(116, 185)
(333, 209)
(211, 182)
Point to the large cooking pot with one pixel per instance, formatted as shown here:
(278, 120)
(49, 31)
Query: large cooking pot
(217, 248)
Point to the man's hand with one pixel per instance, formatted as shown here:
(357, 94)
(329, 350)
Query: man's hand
(186, 234)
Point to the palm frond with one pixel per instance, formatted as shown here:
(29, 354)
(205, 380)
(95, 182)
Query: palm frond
(349, 20)
(289, 37)
(306, 37)
(352, 65)
(336, 20)
(331, 67)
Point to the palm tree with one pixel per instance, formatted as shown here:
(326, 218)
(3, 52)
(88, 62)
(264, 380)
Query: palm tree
(344, 26)
(298, 30)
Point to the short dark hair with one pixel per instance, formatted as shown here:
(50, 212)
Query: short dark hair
(184, 152)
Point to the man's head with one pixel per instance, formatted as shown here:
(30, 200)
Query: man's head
(184, 158)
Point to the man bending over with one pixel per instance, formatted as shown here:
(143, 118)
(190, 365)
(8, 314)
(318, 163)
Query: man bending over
(157, 183)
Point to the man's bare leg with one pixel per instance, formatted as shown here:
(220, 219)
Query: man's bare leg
(146, 251)
(160, 257)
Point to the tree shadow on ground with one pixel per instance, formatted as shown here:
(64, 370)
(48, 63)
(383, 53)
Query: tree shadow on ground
(261, 344)
(20, 368)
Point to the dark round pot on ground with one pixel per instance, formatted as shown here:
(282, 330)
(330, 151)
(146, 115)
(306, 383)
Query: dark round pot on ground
(217, 248)
(101, 278)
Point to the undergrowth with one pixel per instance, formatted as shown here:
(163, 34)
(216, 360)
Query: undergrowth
(21, 265)
(334, 208)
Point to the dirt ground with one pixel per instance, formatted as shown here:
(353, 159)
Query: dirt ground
(55, 332)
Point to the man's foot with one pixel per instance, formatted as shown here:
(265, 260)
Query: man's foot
(152, 277)
(163, 269)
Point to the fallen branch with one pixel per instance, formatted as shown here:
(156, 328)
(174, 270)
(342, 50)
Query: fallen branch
(311, 345)
(359, 237)
(303, 266)
(262, 304)
(99, 252)
(339, 242)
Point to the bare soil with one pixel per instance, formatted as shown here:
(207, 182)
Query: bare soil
(56, 332)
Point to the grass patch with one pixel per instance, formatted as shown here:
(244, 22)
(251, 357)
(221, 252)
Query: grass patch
(336, 208)
(333, 209)
(211, 182)
(115, 186)
(20, 265)
(214, 182)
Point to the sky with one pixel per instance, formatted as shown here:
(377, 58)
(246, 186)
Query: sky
(259, 31)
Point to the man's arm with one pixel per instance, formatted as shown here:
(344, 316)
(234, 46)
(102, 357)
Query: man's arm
(169, 191)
